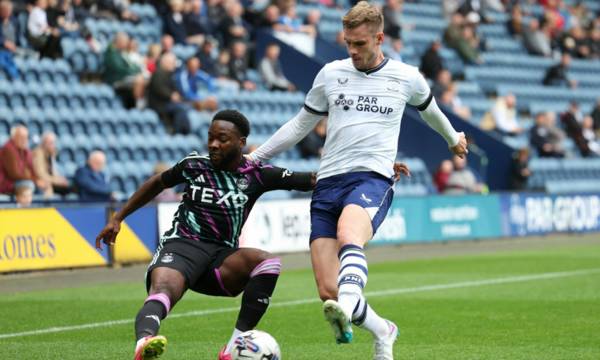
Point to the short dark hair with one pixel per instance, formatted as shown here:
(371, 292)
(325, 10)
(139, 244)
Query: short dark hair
(237, 118)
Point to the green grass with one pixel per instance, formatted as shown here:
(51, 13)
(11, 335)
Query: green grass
(556, 318)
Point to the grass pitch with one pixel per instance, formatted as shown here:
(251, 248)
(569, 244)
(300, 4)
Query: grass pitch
(537, 304)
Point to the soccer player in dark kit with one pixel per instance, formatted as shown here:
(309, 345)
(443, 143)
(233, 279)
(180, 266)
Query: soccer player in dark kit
(200, 252)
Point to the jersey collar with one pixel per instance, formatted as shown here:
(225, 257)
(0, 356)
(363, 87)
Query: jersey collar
(376, 68)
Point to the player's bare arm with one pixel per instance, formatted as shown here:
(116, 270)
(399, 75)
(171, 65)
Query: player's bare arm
(141, 197)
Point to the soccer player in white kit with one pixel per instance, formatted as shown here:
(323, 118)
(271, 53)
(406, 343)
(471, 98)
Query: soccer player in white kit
(364, 97)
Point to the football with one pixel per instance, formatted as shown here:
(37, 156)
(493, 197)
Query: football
(255, 345)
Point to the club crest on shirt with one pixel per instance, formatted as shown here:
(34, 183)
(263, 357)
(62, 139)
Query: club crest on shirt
(393, 85)
(242, 183)
(167, 258)
(342, 81)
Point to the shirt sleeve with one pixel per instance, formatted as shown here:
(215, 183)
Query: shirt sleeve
(421, 94)
(276, 178)
(316, 100)
(174, 175)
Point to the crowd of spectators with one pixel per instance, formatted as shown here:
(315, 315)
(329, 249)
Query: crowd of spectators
(455, 177)
(561, 28)
(223, 31)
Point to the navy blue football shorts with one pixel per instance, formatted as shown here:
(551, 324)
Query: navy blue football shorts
(369, 190)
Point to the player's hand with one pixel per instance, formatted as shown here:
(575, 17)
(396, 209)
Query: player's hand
(399, 169)
(460, 149)
(108, 235)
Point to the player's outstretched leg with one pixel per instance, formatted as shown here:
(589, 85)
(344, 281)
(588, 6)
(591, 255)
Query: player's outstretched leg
(261, 280)
(166, 288)
(384, 331)
(147, 322)
(352, 278)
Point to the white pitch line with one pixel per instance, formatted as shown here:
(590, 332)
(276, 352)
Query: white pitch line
(456, 285)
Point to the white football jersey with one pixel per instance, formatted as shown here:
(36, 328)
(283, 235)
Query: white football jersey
(364, 111)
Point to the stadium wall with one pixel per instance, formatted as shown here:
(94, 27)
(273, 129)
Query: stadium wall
(64, 237)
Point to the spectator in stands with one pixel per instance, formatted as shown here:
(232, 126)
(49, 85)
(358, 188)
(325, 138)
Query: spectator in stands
(9, 35)
(514, 25)
(504, 114)
(441, 176)
(133, 56)
(115, 9)
(451, 100)
(270, 69)
(270, 18)
(312, 19)
(215, 13)
(232, 27)
(519, 171)
(196, 24)
(290, 22)
(473, 11)
(431, 61)
(392, 9)
(222, 65)
(81, 10)
(42, 37)
(166, 44)
(442, 82)
(590, 136)
(173, 22)
(174, 25)
(165, 99)
(44, 165)
(91, 181)
(222, 72)
(238, 66)
(554, 19)
(61, 16)
(206, 55)
(596, 116)
(545, 137)
(194, 83)
(23, 196)
(461, 37)
(152, 58)
(557, 74)
(536, 40)
(571, 121)
(576, 43)
(123, 75)
(312, 145)
(462, 180)
(395, 50)
(16, 164)
(581, 15)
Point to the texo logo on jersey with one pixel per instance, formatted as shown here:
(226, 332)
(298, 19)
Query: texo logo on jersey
(213, 196)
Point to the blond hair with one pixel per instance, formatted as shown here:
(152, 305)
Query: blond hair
(363, 13)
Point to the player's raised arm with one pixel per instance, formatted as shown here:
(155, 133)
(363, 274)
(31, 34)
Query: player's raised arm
(141, 197)
(315, 108)
(430, 112)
